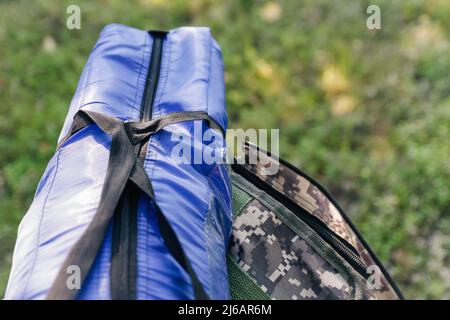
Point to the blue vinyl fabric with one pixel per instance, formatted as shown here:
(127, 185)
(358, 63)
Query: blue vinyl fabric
(196, 198)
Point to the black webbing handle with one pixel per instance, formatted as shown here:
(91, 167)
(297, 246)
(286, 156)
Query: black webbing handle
(123, 166)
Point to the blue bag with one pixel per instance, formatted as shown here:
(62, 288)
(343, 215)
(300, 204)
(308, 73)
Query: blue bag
(115, 216)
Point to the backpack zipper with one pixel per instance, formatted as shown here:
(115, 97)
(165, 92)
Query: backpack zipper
(342, 247)
(123, 259)
(346, 218)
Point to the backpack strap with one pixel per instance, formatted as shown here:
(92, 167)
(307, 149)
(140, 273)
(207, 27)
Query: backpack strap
(123, 166)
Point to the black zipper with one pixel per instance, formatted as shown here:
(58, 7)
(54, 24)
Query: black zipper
(344, 249)
(151, 83)
(124, 260)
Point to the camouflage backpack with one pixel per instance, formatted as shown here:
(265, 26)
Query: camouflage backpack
(291, 240)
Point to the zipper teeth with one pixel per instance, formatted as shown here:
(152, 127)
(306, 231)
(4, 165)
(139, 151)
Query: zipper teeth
(151, 83)
(352, 258)
(124, 239)
(330, 235)
(357, 263)
(327, 235)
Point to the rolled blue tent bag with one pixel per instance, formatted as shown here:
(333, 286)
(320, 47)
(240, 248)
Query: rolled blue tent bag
(116, 214)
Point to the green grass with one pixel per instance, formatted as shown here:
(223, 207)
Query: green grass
(366, 112)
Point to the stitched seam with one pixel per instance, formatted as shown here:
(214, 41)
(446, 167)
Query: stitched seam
(40, 223)
(139, 75)
(181, 112)
(178, 112)
(207, 224)
(152, 153)
(156, 137)
(209, 75)
(163, 88)
(150, 207)
(142, 237)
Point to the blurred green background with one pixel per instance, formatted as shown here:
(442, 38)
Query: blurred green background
(366, 112)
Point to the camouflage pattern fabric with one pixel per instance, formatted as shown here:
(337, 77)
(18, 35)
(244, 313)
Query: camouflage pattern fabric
(284, 265)
(303, 192)
(307, 195)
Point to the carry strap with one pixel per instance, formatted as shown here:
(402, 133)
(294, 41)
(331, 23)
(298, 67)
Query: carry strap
(123, 165)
